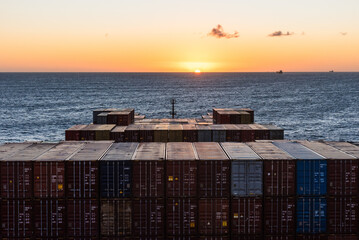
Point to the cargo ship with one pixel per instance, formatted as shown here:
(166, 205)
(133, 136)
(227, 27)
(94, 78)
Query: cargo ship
(102, 189)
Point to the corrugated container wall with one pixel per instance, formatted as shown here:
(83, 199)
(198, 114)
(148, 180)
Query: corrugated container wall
(218, 133)
(247, 215)
(311, 215)
(213, 170)
(279, 216)
(116, 217)
(246, 170)
(204, 133)
(181, 172)
(175, 133)
(116, 172)
(342, 215)
(148, 170)
(182, 216)
(213, 216)
(190, 133)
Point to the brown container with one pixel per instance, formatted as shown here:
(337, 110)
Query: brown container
(147, 132)
(121, 118)
(250, 111)
(118, 134)
(246, 132)
(49, 218)
(73, 133)
(279, 216)
(116, 217)
(161, 133)
(190, 133)
(343, 177)
(342, 214)
(213, 216)
(213, 170)
(346, 147)
(279, 237)
(82, 170)
(343, 237)
(260, 132)
(148, 170)
(247, 215)
(312, 237)
(16, 218)
(181, 173)
(182, 216)
(132, 133)
(82, 218)
(148, 217)
(175, 133)
(8, 149)
(245, 237)
(233, 134)
(279, 177)
(222, 238)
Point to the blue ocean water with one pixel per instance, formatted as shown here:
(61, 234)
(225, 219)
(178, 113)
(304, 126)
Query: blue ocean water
(40, 106)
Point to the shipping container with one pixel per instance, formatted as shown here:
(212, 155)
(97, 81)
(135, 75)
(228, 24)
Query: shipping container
(16, 218)
(132, 133)
(204, 133)
(49, 170)
(118, 134)
(218, 133)
(115, 171)
(343, 237)
(116, 217)
(279, 216)
(233, 134)
(342, 215)
(311, 168)
(182, 216)
(181, 171)
(161, 133)
(74, 133)
(260, 132)
(147, 132)
(247, 170)
(224, 238)
(49, 218)
(123, 117)
(96, 132)
(175, 133)
(312, 237)
(275, 133)
(148, 217)
(148, 170)
(190, 133)
(8, 149)
(246, 132)
(247, 215)
(16, 171)
(102, 118)
(96, 112)
(82, 217)
(311, 215)
(213, 170)
(250, 111)
(82, 170)
(213, 216)
(279, 237)
(346, 147)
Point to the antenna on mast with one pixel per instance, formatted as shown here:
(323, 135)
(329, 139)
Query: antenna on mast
(173, 113)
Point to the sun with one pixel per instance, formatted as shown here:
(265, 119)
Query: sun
(197, 71)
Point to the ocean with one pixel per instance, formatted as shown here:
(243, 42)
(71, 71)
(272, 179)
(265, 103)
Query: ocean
(40, 106)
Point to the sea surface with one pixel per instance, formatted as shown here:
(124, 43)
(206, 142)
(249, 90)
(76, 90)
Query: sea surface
(40, 106)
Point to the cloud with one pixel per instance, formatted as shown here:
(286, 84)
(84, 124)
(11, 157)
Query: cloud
(280, 34)
(343, 33)
(219, 33)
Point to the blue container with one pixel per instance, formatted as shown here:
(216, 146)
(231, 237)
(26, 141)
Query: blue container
(311, 169)
(115, 179)
(311, 215)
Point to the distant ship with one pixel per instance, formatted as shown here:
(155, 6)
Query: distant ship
(280, 72)
(331, 71)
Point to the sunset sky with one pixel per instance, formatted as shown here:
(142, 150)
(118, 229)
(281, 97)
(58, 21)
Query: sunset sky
(179, 36)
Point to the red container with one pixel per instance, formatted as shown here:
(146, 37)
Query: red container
(73, 133)
(49, 179)
(147, 133)
(343, 177)
(132, 133)
(82, 218)
(246, 133)
(214, 178)
(16, 179)
(182, 216)
(190, 133)
(148, 178)
(49, 218)
(343, 237)
(247, 216)
(81, 177)
(233, 134)
(181, 178)
(243, 237)
(312, 237)
(118, 134)
(279, 237)
(221, 238)
(260, 132)
(148, 217)
(16, 218)
(213, 216)
(116, 217)
(279, 178)
(279, 213)
(342, 215)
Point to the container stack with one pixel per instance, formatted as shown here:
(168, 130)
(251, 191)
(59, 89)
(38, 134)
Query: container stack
(119, 117)
(233, 116)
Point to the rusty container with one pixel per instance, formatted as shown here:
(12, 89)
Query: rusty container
(16, 171)
(73, 133)
(181, 171)
(213, 216)
(132, 133)
(82, 218)
(213, 170)
(49, 170)
(147, 133)
(182, 216)
(233, 134)
(148, 217)
(246, 132)
(260, 132)
(82, 170)
(118, 134)
(279, 215)
(148, 170)
(116, 171)
(190, 133)
(247, 216)
(342, 215)
(49, 218)
(16, 218)
(116, 217)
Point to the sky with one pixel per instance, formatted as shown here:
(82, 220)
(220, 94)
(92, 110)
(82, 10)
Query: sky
(179, 36)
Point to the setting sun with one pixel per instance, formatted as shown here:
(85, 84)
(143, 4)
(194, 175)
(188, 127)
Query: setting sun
(197, 71)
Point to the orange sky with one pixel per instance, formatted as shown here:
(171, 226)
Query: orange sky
(160, 36)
